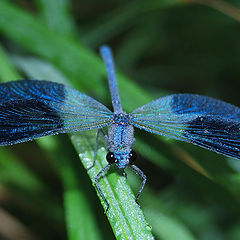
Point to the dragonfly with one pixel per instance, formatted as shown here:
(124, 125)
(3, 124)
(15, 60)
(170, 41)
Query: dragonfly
(30, 109)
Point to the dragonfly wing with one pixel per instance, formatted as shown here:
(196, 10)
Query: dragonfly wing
(204, 121)
(30, 109)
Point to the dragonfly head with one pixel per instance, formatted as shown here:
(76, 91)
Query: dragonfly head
(122, 160)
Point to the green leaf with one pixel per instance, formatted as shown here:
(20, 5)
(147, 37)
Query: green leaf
(13, 171)
(79, 213)
(7, 71)
(124, 214)
(57, 15)
(167, 227)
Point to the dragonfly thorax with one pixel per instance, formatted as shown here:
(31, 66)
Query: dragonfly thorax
(121, 139)
(121, 119)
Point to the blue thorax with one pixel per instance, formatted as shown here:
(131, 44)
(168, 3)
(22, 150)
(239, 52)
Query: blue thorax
(121, 139)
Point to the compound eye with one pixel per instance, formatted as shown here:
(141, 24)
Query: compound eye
(132, 157)
(110, 157)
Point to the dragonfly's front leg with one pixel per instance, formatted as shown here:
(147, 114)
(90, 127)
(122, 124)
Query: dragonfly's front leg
(139, 172)
(96, 146)
(99, 175)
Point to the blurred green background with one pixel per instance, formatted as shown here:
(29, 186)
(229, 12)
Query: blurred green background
(163, 47)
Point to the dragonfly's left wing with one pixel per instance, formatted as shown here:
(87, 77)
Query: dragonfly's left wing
(31, 109)
(204, 121)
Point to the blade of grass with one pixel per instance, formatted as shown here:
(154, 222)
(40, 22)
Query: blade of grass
(163, 224)
(80, 217)
(125, 216)
(49, 44)
(27, 189)
(14, 171)
(57, 15)
(7, 71)
(37, 69)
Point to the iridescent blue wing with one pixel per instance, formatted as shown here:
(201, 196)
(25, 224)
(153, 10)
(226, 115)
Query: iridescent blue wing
(30, 109)
(204, 121)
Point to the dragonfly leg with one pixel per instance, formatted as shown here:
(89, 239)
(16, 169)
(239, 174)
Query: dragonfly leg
(96, 146)
(96, 181)
(139, 172)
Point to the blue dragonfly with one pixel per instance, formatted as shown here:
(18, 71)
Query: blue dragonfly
(30, 109)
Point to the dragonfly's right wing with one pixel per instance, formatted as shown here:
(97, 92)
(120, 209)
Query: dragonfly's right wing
(31, 109)
(204, 121)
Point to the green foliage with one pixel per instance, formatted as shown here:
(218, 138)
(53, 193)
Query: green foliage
(166, 46)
